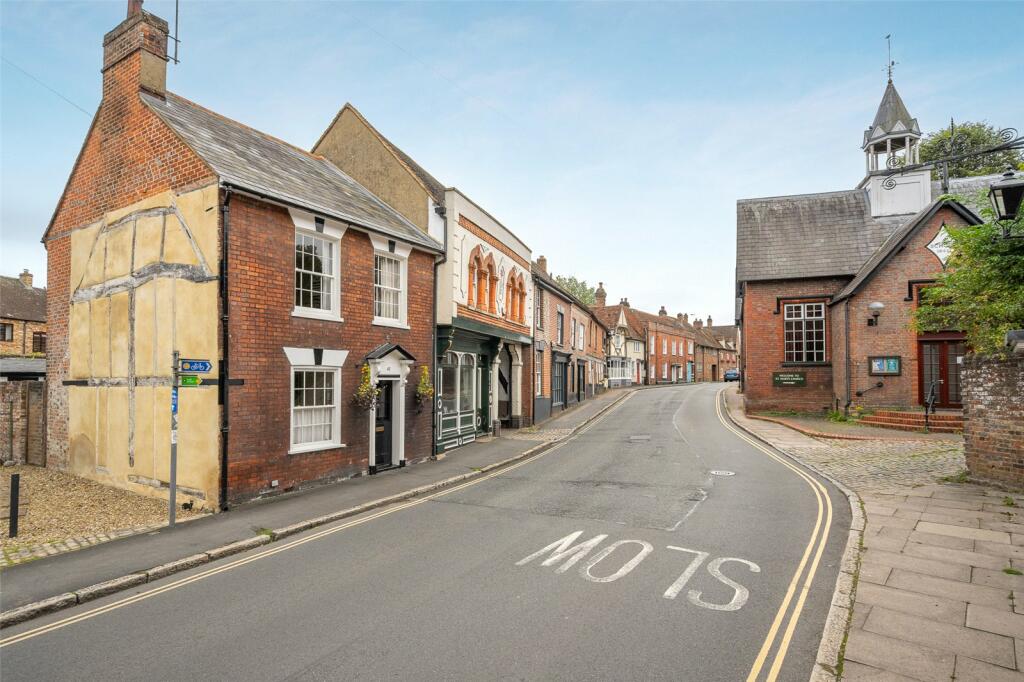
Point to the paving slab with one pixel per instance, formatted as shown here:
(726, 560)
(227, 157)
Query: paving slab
(951, 589)
(899, 656)
(962, 532)
(970, 670)
(924, 605)
(942, 569)
(983, 646)
(959, 556)
(986, 576)
(995, 620)
(942, 540)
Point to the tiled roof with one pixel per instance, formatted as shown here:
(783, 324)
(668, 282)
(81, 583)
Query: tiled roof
(897, 239)
(253, 161)
(19, 302)
(807, 235)
(609, 316)
(724, 331)
(550, 282)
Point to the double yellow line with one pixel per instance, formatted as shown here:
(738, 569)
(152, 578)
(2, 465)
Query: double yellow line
(113, 606)
(816, 545)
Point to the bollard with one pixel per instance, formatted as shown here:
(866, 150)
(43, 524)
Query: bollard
(13, 525)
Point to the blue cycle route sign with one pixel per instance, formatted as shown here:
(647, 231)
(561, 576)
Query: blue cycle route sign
(197, 366)
(174, 400)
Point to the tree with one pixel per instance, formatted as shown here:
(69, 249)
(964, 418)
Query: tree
(979, 135)
(982, 289)
(577, 287)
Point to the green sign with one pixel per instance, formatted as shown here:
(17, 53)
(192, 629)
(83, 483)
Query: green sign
(789, 379)
(190, 380)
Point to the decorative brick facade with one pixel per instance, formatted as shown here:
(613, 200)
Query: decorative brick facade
(994, 418)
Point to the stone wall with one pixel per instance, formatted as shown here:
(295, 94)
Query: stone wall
(23, 422)
(993, 393)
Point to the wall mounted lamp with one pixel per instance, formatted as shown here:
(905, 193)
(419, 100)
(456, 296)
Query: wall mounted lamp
(876, 309)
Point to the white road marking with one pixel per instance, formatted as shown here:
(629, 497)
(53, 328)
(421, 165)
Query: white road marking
(645, 549)
(673, 590)
(738, 599)
(564, 549)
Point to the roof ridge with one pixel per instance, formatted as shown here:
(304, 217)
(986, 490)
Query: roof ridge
(805, 196)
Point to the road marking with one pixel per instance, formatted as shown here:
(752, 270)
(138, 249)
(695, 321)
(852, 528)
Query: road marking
(92, 613)
(819, 536)
(673, 590)
(645, 549)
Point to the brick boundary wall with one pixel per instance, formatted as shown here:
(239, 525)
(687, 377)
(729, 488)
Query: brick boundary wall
(993, 398)
(22, 416)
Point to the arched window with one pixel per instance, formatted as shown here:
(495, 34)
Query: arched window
(488, 282)
(473, 288)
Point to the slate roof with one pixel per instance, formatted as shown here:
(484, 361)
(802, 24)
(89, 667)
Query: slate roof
(807, 235)
(434, 186)
(897, 239)
(19, 302)
(22, 366)
(892, 112)
(724, 331)
(251, 160)
(385, 348)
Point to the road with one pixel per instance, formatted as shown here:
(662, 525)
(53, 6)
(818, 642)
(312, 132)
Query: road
(654, 544)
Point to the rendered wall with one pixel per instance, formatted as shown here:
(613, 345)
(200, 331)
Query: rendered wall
(143, 283)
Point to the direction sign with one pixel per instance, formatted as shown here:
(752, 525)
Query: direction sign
(190, 380)
(200, 366)
(174, 400)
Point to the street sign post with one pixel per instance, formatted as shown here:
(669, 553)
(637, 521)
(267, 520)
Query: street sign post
(179, 365)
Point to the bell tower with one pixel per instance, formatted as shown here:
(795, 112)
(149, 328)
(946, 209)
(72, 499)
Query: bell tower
(893, 139)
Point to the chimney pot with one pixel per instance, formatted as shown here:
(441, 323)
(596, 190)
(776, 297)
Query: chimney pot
(134, 7)
(686, 317)
(26, 278)
(679, 316)
(542, 264)
(600, 296)
(709, 321)
(699, 324)
(140, 41)
(663, 312)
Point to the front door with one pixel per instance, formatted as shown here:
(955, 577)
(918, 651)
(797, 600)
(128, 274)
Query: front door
(940, 368)
(383, 445)
(581, 381)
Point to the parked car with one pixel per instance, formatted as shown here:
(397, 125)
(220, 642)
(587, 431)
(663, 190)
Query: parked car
(731, 375)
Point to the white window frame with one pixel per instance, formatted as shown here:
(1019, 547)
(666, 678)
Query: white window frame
(654, 345)
(664, 346)
(674, 348)
(304, 359)
(309, 225)
(664, 370)
(398, 251)
(538, 373)
(560, 321)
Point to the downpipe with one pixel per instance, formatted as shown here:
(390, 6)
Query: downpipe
(225, 419)
(433, 339)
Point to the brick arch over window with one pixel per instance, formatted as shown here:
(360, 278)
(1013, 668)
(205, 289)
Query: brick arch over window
(483, 280)
(515, 297)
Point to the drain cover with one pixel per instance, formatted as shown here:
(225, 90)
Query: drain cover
(721, 472)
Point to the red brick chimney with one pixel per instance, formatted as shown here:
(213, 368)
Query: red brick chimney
(542, 264)
(709, 321)
(600, 296)
(699, 324)
(624, 303)
(663, 312)
(135, 55)
(26, 278)
(686, 318)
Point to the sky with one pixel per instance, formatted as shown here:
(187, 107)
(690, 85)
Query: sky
(612, 138)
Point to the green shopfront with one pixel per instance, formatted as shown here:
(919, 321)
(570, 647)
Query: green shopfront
(479, 381)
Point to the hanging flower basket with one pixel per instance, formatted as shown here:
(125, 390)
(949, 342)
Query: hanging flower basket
(365, 397)
(424, 389)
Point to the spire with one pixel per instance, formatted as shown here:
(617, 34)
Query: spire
(892, 139)
(892, 112)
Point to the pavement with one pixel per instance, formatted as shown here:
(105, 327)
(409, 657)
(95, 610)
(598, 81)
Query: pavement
(939, 593)
(656, 542)
(68, 572)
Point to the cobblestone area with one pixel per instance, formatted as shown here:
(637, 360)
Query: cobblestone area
(45, 549)
(539, 435)
(885, 465)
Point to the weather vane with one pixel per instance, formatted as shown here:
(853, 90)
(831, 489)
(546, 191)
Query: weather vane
(889, 63)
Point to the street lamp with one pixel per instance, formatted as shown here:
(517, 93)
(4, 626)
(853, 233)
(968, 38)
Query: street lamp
(1006, 195)
(876, 309)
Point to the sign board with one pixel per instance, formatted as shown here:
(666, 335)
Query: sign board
(200, 366)
(174, 400)
(190, 380)
(890, 365)
(789, 378)
(941, 246)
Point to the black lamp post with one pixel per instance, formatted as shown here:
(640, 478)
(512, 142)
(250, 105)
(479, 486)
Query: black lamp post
(1006, 198)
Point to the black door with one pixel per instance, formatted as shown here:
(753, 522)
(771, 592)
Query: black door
(382, 450)
(581, 381)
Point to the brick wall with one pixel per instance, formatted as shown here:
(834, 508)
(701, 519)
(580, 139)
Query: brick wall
(656, 358)
(993, 392)
(893, 335)
(23, 422)
(763, 350)
(21, 341)
(261, 250)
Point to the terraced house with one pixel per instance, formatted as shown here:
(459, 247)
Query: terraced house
(22, 328)
(182, 230)
(484, 295)
(569, 347)
(626, 350)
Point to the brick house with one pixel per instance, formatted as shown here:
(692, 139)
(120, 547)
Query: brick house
(484, 309)
(22, 328)
(827, 284)
(569, 347)
(182, 230)
(627, 344)
(727, 335)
